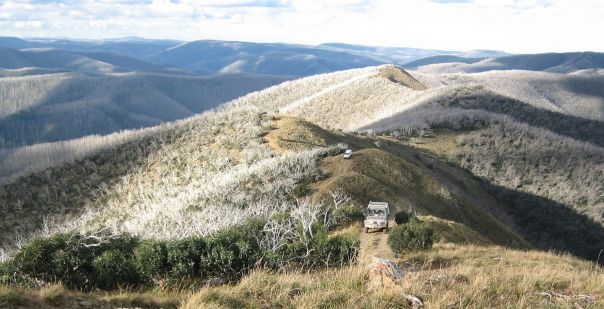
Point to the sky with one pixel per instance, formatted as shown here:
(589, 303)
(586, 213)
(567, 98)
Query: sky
(515, 26)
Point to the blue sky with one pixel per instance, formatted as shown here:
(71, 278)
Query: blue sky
(510, 25)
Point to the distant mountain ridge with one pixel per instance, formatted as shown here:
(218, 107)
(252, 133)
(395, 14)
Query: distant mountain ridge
(83, 62)
(440, 59)
(208, 57)
(132, 47)
(547, 62)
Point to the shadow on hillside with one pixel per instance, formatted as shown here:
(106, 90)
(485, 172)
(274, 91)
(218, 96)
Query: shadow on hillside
(62, 191)
(87, 105)
(582, 129)
(302, 142)
(548, 224)
(585, 85)
(72, 109)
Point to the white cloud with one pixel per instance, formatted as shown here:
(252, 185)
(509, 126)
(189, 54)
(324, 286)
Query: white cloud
(511, 25)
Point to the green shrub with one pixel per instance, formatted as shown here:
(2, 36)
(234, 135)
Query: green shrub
(73, 266)
(412, 236)
(301, 189)
(7, 271)
(37, 258)
(402, 217)
(152, 259)
(334, 251)
(334, 151)
(233, 250)
(67, 257)
(114, 268)
(184, 257)
(347, 214)
(122, 243)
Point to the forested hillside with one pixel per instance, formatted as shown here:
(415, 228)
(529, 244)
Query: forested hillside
(34, 109)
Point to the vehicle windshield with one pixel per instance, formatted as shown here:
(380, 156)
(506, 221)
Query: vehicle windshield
(376, 212)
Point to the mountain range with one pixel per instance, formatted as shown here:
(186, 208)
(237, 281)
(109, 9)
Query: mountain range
(213, 57)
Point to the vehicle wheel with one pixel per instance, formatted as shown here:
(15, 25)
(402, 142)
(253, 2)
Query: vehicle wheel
(366, 230)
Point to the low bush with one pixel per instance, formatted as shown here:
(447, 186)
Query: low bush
(184, 257)
(68, 258)
(152, 259)
(335, 251)
(233, 250)
(347, 214)
(114, 268)
(6, 272)
(301, 189)
(120, 261)
(37, 259)
(402, 217)
(334, 151)
(411, 236)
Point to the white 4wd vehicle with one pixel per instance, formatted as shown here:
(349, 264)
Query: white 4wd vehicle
(376, 216)
(347, 154)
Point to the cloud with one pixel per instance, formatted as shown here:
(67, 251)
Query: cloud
(511, 25)
(451, 1)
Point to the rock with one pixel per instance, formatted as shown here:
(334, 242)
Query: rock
(414, 301)
(85, 303)
(384, 274)
(387, 269)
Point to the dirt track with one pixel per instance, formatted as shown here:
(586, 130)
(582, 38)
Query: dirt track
(375, 244)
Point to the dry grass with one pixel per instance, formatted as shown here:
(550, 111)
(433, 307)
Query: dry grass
(453, 232)
(442, 143)
(448, 276)
(52, 293)
(479, 277)
(56, 296)
(294, 134)
(9, 296)
(341, 288)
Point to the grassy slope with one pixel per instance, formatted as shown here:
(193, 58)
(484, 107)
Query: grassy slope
(447, 276)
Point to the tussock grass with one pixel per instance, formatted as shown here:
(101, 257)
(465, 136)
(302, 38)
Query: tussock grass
(52, 293)
(335, 288)
(56, 296)
(454, 232)
(478, 277)
(447, 276)
(9, 296)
